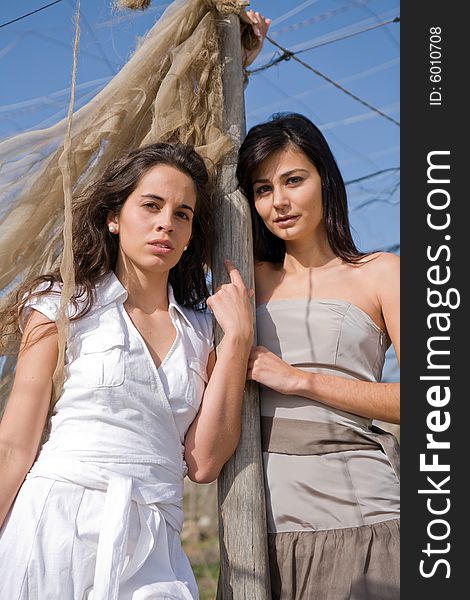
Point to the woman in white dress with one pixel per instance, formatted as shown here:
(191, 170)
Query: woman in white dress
(97, 512)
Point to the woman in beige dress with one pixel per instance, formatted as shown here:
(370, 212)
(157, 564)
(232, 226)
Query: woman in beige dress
(326, 314)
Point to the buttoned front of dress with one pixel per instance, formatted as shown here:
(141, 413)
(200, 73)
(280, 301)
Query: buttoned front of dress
(119, 427)
(108, 358)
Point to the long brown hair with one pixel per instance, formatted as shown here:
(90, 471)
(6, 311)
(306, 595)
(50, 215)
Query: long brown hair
(95, 249)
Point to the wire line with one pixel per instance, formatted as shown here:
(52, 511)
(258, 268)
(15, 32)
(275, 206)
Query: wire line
(324, 42)
(349, 35)
(370, 175)
(287, 55)
(30, 13)
(317, 18)
(337, 33)
(293, 11)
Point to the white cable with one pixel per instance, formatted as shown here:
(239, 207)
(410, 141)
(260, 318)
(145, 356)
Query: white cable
(390, 108)
(293, 12)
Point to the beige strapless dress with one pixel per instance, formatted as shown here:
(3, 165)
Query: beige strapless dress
(332, 478)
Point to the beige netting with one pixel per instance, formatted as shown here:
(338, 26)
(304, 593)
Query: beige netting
(170, 89)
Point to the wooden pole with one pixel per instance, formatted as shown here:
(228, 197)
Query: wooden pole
(244, 566)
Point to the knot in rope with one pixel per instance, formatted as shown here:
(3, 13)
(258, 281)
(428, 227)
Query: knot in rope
(228, 7)
(133, 4)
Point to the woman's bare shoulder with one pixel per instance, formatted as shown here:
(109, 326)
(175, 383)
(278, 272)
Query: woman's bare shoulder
(382, 274)
(381, 262)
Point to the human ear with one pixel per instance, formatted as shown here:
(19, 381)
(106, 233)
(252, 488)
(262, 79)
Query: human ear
(112, 223)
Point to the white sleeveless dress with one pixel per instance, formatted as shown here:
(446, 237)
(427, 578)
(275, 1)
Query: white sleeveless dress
(100, 512)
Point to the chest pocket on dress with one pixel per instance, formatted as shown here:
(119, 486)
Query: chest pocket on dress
(197, 379)
(102, 359)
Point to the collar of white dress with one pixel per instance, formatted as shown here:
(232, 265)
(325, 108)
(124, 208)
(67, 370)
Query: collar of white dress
(110, 289)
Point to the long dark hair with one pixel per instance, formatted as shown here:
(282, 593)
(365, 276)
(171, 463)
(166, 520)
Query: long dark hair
(293, 129)
(96, 249)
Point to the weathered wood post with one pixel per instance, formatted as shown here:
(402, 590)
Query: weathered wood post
(244, 570)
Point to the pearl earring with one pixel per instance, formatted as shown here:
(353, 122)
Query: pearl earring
(185, 248)
(112, 228)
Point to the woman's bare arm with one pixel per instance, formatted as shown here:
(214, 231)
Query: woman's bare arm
(369, 399)
(214, 434)
(26, 411)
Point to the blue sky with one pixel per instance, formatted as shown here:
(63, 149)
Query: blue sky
(35, 75)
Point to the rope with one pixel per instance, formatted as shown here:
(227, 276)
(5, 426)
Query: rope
(133, 4)
(67, 271)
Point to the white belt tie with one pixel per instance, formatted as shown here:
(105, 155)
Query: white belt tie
(121, 489)
(112, 541)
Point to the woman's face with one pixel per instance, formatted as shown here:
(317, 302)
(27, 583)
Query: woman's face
(155, 222)
(288, 194)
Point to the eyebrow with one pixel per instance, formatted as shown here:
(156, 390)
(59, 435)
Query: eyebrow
(156, 197)
(286, 174)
